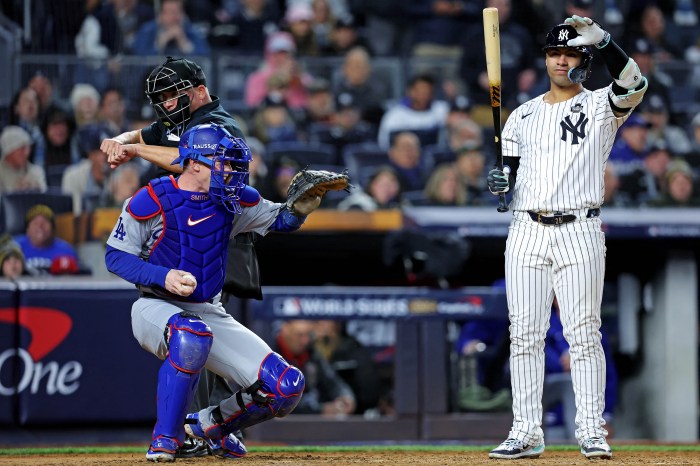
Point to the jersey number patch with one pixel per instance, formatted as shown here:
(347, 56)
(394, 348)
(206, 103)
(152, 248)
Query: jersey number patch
(120, 232)
(577, 130)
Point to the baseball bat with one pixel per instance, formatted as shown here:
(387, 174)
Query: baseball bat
(492, 41)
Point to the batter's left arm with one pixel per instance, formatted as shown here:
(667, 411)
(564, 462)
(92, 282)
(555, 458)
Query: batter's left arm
(629, 85)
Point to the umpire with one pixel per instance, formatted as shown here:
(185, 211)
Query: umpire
(177, 91)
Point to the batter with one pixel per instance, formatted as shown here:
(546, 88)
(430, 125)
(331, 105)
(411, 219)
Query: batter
(556, 147)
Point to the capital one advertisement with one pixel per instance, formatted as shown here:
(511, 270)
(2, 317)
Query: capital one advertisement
(67, 355)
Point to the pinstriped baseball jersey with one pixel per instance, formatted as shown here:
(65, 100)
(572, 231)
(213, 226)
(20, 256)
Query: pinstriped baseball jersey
(563, 149)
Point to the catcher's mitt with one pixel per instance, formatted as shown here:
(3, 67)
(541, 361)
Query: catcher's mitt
(308, 187)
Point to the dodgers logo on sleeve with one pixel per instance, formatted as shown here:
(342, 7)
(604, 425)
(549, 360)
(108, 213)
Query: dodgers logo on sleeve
(120, 231)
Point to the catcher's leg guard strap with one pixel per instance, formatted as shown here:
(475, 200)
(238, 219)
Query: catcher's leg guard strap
(275, 394)
(189, 341)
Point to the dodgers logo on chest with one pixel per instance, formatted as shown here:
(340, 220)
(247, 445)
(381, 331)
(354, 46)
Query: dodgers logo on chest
(574, 125)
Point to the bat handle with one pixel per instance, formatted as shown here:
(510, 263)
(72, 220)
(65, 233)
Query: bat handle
(502, 207)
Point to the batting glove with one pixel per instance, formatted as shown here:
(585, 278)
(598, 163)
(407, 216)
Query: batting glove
(589, 32)
(497, 180)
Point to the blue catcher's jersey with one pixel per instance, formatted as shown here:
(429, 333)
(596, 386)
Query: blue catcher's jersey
(195, 234)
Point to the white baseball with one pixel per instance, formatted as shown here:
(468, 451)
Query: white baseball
(188, 277)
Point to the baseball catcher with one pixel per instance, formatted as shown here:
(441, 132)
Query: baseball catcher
(308, 187)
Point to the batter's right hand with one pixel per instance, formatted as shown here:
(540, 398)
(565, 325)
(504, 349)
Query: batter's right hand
(497, 181)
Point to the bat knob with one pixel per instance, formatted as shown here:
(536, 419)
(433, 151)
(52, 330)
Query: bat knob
(502, 208)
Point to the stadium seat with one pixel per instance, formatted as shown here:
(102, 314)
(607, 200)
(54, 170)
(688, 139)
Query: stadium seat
(14, 206)
(362, 159)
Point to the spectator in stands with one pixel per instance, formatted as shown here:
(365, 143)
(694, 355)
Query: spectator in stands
(417, 111)
(58, 128)
(280, 176)
(382, 191)
(25, 114)
(518, 73)
(464, 134)
(85, 102)
(439, 25)
(654, 28)
(45, 253)
(319, 106)
(351, 361)
(170, 33)
(257, 169)
(642, 52)
(45, 92)
(470, 166)
(612, 196)
(444, 188)
(405, 157)
(246, 29)
(654, 111)
(460, 111)
(11, 258)
(631, 145)
(344, 37)
(273, 122)
(16, 172)
(645, 183)
(345, 127)
(298, 20)
(325, 393)
(112, 113)
(367, 90)
(322, 22)
(87, 178)
(279, 60)
(679, 190)
(119, 21)
(694, 157)
(122, 183)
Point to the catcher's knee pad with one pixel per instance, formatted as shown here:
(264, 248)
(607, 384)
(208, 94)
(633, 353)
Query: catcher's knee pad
(189, 342)
(276, 393)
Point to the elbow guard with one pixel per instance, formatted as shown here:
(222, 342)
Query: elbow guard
(630, 77)
(629, 100)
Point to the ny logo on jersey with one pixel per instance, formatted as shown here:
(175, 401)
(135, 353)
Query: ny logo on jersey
(577, 130)
(563, 35)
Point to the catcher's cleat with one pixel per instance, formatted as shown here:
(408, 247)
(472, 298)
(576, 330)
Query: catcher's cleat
(162, 450)
(229, 446)
(195, 428)
(191, 448)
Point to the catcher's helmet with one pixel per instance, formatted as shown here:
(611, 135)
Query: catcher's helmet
(227, 156)
(558, 38)
(173, 77)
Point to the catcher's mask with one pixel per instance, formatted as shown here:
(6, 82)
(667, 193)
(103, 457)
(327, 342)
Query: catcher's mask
(168, 82)
(228, 158)
(557, 38)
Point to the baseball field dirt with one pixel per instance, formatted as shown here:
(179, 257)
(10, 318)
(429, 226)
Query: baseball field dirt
(394, 458)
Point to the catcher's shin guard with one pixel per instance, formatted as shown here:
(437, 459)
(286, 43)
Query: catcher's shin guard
(275, 394)
(189, 341)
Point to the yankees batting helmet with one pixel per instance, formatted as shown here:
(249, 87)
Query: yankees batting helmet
(173, 77)
(228, 158)
(558, 38)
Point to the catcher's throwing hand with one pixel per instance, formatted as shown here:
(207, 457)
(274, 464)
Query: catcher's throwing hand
(308, 187)
(589, 32)
(180, 282)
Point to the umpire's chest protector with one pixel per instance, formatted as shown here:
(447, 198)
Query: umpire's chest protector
(195, 236)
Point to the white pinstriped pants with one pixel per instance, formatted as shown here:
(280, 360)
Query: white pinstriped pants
(569, 261)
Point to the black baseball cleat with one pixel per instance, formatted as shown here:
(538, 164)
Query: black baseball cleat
(192, 448)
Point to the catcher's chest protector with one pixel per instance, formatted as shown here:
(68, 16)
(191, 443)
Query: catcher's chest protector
(195, 237)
